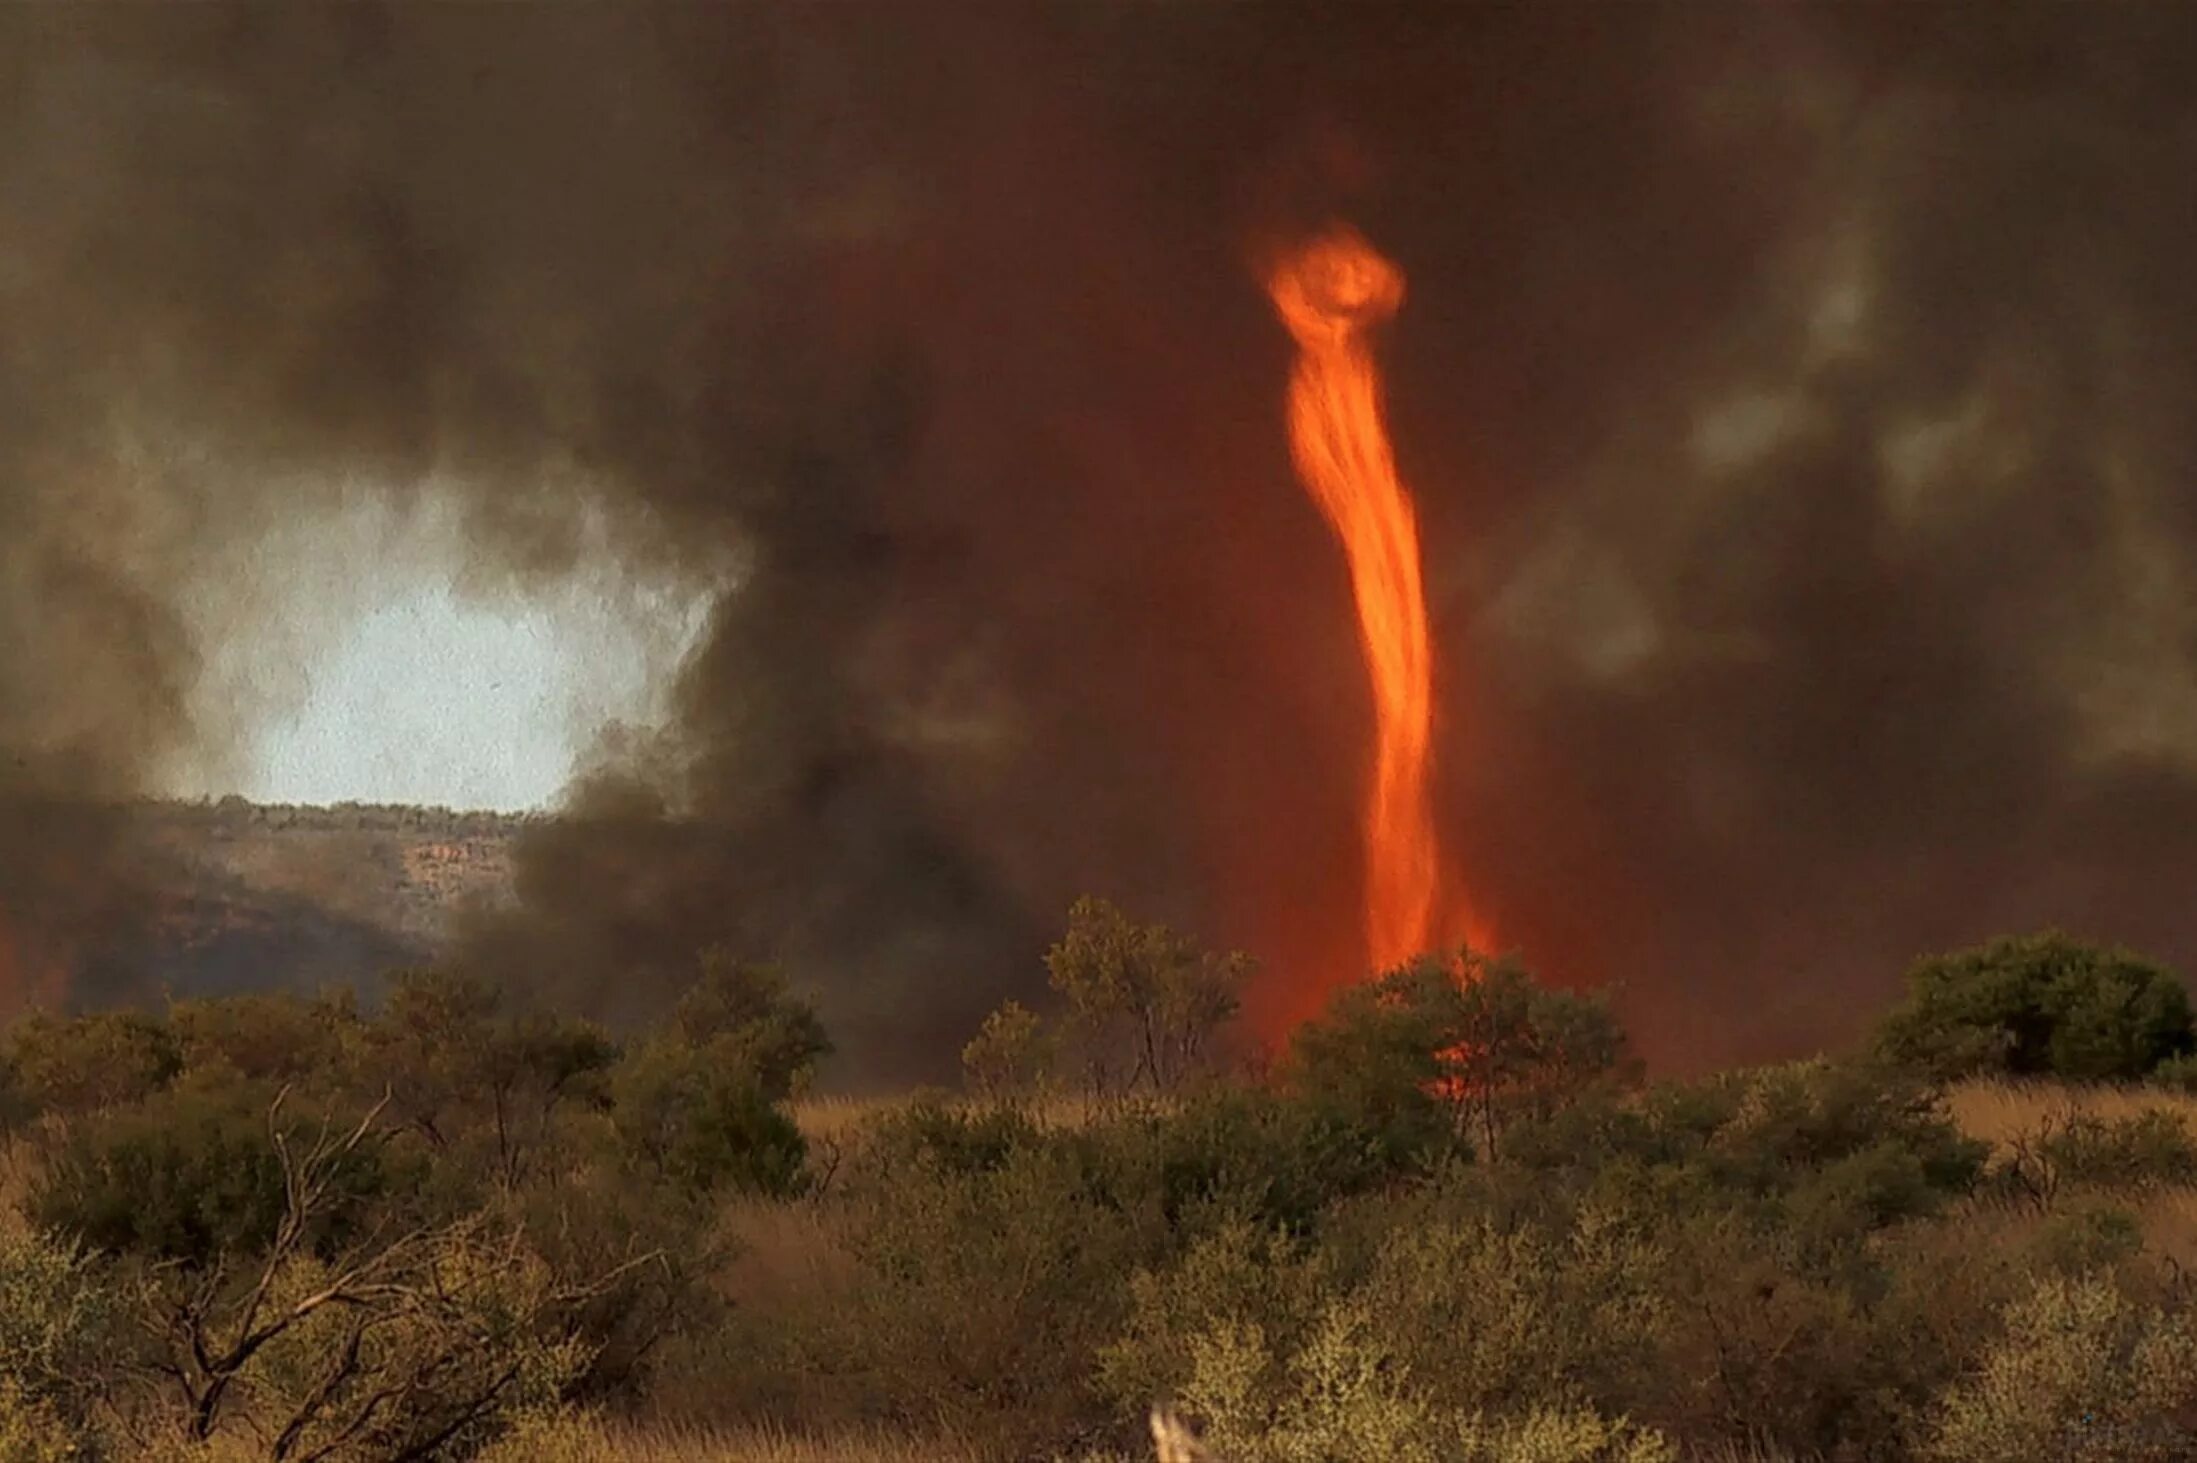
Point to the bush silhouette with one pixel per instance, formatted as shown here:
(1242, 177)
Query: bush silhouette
(2040, 1005)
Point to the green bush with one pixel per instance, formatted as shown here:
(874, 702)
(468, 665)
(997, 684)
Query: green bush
(83, 1064)
(1345, 1396)
(2040, 1005)
(58, 1320)
(2151, 1149)
(931, 1131)
(189, 1175)
(701, 1118)
(1442, 1051)
(276, 1037)
(973, 1301)
(1246, 1152)
(2082, 1374)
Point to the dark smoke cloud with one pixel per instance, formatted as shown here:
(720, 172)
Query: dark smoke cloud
(1793, 398)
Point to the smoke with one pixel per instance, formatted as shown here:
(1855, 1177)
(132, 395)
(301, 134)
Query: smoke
(1791, 399)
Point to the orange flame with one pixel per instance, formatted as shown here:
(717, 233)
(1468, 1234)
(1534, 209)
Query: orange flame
(1330, 293)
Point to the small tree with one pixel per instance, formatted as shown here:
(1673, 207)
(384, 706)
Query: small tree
(1011, 1054)
(745, 1014)
(1466, 1044)
(1145, 1003)
(457, 1063)
(700, 1118)
(2039, 1005)
(699, 1106)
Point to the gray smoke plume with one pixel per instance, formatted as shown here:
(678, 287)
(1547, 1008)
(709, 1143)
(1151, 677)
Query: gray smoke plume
(1792, 398)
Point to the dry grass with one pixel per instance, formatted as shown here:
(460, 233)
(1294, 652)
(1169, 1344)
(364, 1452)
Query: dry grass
(588, 1442)
(1998, 1111)
(18, 1171)
(839, 1118)
(772, 1445)
(823, 1119)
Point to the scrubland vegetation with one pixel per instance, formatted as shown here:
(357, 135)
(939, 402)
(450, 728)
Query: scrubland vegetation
(1449, 1221)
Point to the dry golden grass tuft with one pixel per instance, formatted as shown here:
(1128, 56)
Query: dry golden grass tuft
(18, 1171)
(831, 1118)
(1997, 1111)
(580, 1440)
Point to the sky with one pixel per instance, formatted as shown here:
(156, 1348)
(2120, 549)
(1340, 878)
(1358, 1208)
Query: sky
(394, 667)
(429, 699)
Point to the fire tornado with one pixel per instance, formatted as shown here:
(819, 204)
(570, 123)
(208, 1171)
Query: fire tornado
(1330, 293)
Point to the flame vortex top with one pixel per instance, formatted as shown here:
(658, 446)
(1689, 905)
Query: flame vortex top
(1329, 293)
(1333, 288)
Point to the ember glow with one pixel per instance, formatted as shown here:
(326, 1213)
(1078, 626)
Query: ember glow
(1330, 293)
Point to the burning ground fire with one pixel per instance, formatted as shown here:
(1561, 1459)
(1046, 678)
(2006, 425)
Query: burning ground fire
(1331, 293)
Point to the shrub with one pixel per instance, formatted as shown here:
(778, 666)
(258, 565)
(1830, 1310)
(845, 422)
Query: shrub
(701, 1118)
(976, 1301)
(277, 1037)
(1827, 1149)
(1145, 1003)
(32, 1430)
(1443, 1048)
(2039, 1005)
(1345, 1397)
(57, 1319)
(1241, 1277)
(86, 1063)
(1269, 1335)
(744, 1014)
(1011, 1055)
(187, 1175)
(931, 1132)
(2144, 1150)
(2081, 1375)
(655, 1249)
(428, 1346)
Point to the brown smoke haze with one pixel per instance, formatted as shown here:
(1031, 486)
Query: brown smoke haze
(1797, 402)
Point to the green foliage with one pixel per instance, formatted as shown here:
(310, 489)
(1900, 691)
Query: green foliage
(32, 1430)
(2087, 1240)
(1448, 1227)
(930, 1133)
(1144, 1002)
(1246, 1152)
(698, 1105)
(2039, 1005)
(277, 1037)
(979, 1298)
(429, 1345)
(652, 1254)
(1344, 1396)
(1827, 1151)
(1011, 1055)
(461, 1070)
(2081, 1375)
(57, 1319)
(699, 1117)
(187, 1175)
(2149, 1149)
(744, 1015)
(81, 1064)
(1487, 1320)
(1441, 1048)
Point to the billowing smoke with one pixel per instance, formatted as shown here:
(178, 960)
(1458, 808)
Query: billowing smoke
(1793, 399)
